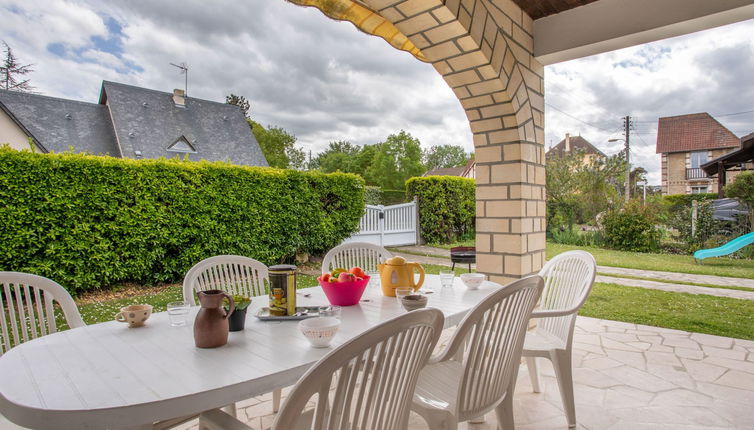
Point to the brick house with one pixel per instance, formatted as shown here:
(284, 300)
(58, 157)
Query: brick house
(575, 144)
(465, 171)
(685, 143)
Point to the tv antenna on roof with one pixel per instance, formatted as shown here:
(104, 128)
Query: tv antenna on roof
(184, 71)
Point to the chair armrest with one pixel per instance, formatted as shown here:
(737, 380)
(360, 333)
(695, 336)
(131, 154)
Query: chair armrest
(553, 313)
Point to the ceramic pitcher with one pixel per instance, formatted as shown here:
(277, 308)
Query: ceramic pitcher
(211, 323)
(397, 272)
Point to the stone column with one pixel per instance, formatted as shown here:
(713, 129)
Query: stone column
(483, 49)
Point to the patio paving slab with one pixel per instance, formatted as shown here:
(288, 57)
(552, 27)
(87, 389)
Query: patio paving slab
(619, 386)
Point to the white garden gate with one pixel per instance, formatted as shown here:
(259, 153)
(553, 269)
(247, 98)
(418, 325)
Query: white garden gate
(394, 225)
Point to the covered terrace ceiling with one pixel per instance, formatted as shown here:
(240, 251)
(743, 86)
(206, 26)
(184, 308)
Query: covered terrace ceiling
(569, 29)
(541, 8)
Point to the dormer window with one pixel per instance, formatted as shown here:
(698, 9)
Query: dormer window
(182, 145)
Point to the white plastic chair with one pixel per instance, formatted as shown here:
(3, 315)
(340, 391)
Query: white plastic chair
(27, 311)
(236, 275)
(366, 383)
(361, 254)
(477, 371)
(232, 273)
(568, 280)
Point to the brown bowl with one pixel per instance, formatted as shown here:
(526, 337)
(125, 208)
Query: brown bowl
(414, 302)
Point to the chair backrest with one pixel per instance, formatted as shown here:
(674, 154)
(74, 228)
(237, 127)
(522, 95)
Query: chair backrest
(26, 308)
(492, 335)
(232, 273)
(568, 280)
(361, 254)
(368, 382)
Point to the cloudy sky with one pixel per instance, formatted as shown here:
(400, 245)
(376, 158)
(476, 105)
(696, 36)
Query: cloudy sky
(323, 80)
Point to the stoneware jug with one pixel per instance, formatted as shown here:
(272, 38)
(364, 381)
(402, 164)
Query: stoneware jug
(211, 323)
(396, 272)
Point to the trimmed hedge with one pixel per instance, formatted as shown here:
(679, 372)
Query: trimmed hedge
(446, 206)
(90, 221)
(683, 201)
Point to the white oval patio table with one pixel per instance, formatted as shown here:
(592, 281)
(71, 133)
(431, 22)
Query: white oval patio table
(107, 376)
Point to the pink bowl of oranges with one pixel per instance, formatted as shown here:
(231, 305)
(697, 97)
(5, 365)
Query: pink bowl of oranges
(344, 287)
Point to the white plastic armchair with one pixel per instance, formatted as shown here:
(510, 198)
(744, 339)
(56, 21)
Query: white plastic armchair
(361, 254)
(232, 273)
(365, 384)
(27, 310)
(477, 371)
(236, 275)
(568, 280)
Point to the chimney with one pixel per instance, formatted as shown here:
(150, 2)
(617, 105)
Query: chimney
(568, 142)
(179, 98)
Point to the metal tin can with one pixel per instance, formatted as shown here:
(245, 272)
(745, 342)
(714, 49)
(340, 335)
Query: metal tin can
(282, 290)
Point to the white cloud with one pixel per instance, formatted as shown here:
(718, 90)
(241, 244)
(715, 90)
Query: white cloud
(323, 80)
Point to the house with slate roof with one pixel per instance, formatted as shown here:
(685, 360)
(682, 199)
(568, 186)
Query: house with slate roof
(130, 122)
(575, 144)
(685, 143)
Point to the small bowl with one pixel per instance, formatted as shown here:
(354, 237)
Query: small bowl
(472, 280)
(414, 302)
(319, 331)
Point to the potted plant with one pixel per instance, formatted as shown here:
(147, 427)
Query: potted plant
(237, 319)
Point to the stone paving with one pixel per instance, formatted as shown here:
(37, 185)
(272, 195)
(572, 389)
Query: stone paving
(677, 288)
(722, 281)
(626, 376)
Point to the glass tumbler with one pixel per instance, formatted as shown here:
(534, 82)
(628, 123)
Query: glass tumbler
(446, 279)
(402, 292)
(178, 313)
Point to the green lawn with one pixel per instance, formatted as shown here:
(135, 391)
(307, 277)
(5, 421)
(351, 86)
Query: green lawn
(719, 316)
(663, 262)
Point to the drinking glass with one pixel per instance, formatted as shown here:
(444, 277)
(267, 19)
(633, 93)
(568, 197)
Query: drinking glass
(446, 279)
(178, 313)
(329, 311)
(401, 292)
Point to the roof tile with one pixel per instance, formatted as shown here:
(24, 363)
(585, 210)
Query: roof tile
(693, 132)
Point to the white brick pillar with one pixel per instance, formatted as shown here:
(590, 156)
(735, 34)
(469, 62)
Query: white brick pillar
(484, 52)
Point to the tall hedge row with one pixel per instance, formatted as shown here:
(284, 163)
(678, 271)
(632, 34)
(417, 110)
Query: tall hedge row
(446, 206)
(91, 221)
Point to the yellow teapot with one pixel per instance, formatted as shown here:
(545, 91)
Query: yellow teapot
(396, 272)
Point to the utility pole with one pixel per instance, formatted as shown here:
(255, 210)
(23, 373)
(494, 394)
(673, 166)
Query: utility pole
(628, 160)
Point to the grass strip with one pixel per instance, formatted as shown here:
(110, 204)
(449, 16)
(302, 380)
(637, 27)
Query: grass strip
(735, 268)
(720, 316)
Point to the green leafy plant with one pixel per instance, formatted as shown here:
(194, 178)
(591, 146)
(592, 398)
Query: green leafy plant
(91, 221)
(447, 206)
(240, 302)
(631, 229)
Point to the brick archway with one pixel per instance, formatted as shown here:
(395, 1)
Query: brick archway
(483, 49)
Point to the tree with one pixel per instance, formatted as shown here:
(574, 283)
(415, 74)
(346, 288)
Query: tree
(239, 101)
(578, 191)
(439, 156)
(396, 160)
(278, 147)
(11, 73)
(339, 156)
